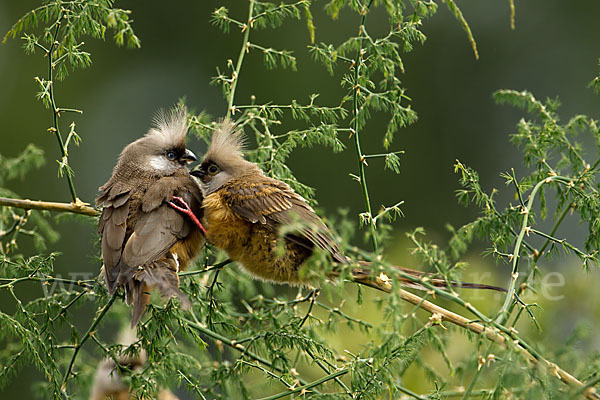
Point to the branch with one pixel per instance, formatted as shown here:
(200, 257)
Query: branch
(496, 337)
(236, 73)
(78, 207)
(355, 127)
(55, 110)
(303, 390)
(503, 314)
(90, 332)
(234, 344)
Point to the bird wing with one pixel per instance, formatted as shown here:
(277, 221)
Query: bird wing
(155, 232)
(158, 227)
(274, 204)
(138, 227)
(113, 227)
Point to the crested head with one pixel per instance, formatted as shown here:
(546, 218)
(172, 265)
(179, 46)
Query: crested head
(169, 128)
(224, 159)
(162, 151)
(226, 142)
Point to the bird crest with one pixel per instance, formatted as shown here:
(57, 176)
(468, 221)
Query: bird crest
(169, 127)
(227, 141)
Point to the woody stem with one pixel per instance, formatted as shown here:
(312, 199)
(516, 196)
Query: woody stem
(355, 127)
(238, 67)
(56, 113)
(79, 208)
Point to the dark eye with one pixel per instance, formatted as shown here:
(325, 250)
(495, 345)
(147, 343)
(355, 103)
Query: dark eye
(213, 169)
(171, 155)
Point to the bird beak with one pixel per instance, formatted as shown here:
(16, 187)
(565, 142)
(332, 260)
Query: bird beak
(189, 156)
(198, 173)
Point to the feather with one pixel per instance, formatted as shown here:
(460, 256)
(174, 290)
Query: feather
(120, 199)
(364, 276)
(139, 298)
(226, 141)
(170, 127)
(162, 275)
(114, 235)
(257, 198)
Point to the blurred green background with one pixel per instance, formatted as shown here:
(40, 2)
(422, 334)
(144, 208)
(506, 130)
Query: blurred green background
(552, 52)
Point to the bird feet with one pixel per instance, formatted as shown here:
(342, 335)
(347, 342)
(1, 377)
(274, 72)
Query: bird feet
(180, 205)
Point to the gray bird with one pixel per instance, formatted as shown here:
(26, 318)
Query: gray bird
(145, 240)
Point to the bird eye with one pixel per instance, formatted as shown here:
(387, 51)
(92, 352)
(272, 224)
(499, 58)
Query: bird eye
(213, 169)
(171, 155)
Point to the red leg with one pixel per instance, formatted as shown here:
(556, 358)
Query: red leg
(180, 205)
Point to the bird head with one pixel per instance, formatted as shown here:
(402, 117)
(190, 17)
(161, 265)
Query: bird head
(162, 151)
(224, 159)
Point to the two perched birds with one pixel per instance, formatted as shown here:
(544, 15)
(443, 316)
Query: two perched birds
(156, 216)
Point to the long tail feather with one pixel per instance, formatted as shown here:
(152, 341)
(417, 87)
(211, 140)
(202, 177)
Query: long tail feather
(162, 275)
(468, 285)
(384, 283)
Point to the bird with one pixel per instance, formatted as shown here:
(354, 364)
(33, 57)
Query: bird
(245, 211)
(108, 382)
(146, 238)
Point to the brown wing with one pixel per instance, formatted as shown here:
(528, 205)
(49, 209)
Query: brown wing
(113, 227)
(138, 227)
(274, 204)
(154, 234)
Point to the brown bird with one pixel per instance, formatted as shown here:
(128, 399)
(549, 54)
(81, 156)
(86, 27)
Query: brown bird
(145, 241)
(108, 382)
(244, 212)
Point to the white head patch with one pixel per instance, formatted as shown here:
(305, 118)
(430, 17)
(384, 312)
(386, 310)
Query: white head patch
(161, 163)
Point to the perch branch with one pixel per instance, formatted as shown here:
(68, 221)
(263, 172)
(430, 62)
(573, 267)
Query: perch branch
(78, 208)
(495, 336)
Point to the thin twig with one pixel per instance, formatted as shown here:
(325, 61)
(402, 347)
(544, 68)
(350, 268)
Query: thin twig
(355, 124)
(236, 74)
(304, 389)
(540, 252)
(191, 384)
(55, 111)
(211, 298)
(235, 345)
(90, 332)
(85, 283)
(313, 297)
(476, 375)
(268, 373)
(322, 365)
(411, 393)
(511, 4)
(503, 314)
(206, 269)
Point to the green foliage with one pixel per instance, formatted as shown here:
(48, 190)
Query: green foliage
(244, 339)
(65, 23)
(15, 223)
(11, 168)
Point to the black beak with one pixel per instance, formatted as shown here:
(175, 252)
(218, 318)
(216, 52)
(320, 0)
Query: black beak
(198, 172)
(189, 156)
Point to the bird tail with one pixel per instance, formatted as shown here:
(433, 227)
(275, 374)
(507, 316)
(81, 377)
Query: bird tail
(363, 275)
(162, 275)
